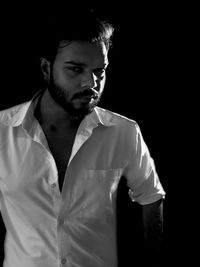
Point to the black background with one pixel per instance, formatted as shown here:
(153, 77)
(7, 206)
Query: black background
(148, 80)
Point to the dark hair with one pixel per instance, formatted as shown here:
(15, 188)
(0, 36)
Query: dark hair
(82, 25)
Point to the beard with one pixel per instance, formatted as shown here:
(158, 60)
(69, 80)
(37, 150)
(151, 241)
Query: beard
(62, 98)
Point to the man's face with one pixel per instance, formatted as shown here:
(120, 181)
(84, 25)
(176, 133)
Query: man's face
(77, 76)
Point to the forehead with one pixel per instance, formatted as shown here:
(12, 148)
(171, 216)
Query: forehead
(83, 52)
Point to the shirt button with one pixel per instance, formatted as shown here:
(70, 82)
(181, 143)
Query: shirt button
(63, 261)
(53, 185)
(61, 221)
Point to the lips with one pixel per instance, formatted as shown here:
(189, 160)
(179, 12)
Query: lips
(85, 99)
(86, 95)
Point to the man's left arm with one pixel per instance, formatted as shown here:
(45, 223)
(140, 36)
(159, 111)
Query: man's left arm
(152, 215)
(146, 189)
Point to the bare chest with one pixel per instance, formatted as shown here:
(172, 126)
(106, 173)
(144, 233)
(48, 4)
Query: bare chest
(61, 148)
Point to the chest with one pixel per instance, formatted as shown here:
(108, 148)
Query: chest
(61, 149)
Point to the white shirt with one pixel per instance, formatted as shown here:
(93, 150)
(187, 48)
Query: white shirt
(75, 227)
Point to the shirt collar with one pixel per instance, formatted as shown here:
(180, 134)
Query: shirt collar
(102, 116)
(23, 114)
(20, 114)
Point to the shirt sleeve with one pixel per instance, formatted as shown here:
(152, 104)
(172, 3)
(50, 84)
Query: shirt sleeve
(142, 179)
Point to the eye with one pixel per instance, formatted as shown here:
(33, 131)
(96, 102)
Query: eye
(99, 72)
(75, 69)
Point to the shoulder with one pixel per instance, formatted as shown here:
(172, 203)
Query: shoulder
(118, 120)
(125, 131)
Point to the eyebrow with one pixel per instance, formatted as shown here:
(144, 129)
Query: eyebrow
(80, 64)
(75, 63)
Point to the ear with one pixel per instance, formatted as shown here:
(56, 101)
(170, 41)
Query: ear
(45, 68)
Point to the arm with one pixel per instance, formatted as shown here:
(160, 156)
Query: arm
(146, 189)
(2, 237)
(153, 230)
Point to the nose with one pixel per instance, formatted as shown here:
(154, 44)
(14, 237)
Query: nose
(89, 80)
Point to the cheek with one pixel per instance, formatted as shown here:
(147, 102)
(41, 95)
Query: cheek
(102, 84)
(58, 77)
(63, 80)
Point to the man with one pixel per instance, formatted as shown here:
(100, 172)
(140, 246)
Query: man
(62, 156)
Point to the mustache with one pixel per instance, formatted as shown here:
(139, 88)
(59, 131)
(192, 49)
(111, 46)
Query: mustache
(88, 93)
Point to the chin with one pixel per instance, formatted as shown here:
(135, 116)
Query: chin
(83, 109)
(79, 111)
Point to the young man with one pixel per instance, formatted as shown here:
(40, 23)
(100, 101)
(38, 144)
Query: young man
(61, 159)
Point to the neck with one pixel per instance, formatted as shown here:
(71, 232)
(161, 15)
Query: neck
(52, 115)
